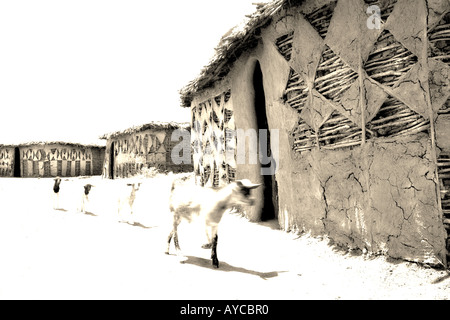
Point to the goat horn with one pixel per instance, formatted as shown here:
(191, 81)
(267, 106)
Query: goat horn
(248, 184)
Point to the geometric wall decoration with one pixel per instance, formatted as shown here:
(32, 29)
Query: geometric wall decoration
(320, 18)
(137, 149)
(338, 131)
(214, 116)
(439, 40)
(296, 93)
(304, 137)
(284, 45)
(394, 102)
(333, 76)
(389, 60)
(49, 159)
(395, 118)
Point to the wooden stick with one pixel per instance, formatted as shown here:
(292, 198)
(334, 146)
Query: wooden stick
(443, 164)
(389, 63)
(339, 126)
(342, 135)
(381, 60)
(303, 89)
(403, 120)
(342, 145)
(414, 130)
(362, 97)
(297, 97)
(389, 47)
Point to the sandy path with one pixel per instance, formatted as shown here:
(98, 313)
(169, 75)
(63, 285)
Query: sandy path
(63, 254)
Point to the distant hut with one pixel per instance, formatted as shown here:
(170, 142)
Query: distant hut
(51, 159)
(132, 151)
(361, 102)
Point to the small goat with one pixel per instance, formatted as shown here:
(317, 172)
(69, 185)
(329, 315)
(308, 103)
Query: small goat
(128, 201)
(210, 204)
(85, 197)
(56, 188)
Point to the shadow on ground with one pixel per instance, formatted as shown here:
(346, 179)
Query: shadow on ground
(225, 267)
(136, 224)
(443, 278)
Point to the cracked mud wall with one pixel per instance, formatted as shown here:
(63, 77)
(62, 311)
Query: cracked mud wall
(381, 198)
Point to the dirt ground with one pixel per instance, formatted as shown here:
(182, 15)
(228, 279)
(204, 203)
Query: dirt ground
(65, 254)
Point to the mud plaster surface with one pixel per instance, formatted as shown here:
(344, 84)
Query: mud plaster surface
(380, 197)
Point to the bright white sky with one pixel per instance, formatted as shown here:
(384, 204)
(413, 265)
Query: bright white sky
(72, 70)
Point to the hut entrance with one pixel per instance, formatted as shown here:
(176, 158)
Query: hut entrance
(16, 163)
(111, 161)
(270, 205)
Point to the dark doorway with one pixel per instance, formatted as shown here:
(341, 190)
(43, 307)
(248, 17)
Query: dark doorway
(17, 163)
(270, 206)
(111, 161)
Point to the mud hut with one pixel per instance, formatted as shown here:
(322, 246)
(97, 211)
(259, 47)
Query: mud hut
(130, 152)
(51, 159)
(359, 93)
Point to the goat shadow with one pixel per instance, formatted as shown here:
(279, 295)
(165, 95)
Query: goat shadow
(89, 214)
(136, 224)
(225, 267)
(441, 279)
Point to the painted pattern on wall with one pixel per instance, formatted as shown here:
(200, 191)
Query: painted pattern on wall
(136, 152)
(213, 136)
(6, 162)
(51, 160)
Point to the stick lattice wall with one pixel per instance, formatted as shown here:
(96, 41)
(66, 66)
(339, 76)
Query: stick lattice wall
(330, 111)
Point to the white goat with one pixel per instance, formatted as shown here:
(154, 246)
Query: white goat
(187, 202)
(127, 202)
(56, 189)
(85, 197)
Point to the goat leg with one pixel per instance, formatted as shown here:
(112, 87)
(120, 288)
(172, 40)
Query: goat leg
(175, 241)
(208, 245)
(215, 261)
(169, 238)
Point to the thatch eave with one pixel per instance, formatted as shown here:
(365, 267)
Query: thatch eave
(47, 143)
(147, 126)
(231, 46)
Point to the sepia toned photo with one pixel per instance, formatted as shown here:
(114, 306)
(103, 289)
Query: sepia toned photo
(234, 151)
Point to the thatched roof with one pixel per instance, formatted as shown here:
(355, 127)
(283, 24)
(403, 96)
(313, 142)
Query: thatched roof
(232, 45)
(147, 126)
(47, 143)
